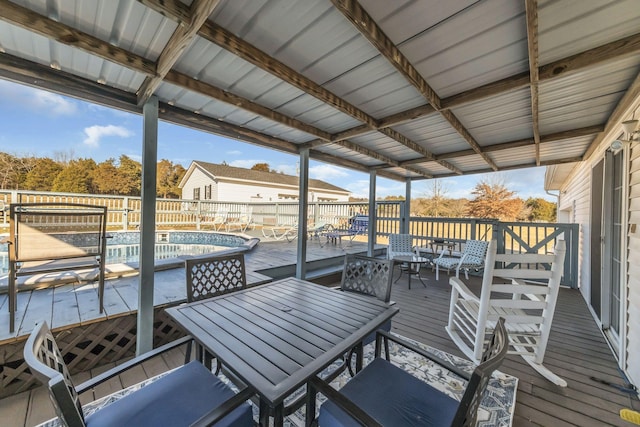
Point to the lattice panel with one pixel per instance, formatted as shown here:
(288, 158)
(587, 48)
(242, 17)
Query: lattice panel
(367, 276)
(215, 276)
(84, 348)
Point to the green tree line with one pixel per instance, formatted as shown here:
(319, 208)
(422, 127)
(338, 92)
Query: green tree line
(121, 177)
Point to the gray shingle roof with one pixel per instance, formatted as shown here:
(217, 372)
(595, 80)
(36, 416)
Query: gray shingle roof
(225, 171)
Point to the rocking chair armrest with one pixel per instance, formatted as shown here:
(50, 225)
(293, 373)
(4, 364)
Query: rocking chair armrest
(462, 289)
(117, 370)
(445, 364)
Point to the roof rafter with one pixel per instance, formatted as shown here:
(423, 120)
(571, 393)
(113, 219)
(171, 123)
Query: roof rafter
(184, 81)
(64, 34)
(177, 44)
(44, 77)
(367, 26)
(606, 52)
(619, 113)
(49, 28)
(531, 7)
(229, 41)
(574, 133)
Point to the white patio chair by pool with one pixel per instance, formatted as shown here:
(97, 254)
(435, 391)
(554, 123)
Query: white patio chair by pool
(523, 289)
(241, 224)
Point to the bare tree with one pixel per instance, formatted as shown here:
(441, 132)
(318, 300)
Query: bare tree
(437, 199)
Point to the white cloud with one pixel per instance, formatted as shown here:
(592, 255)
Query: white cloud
(96, 132)
(327, 172)
(37, 100)
(234, 152)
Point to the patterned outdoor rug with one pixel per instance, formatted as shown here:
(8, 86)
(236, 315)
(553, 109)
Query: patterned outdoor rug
(496, 409)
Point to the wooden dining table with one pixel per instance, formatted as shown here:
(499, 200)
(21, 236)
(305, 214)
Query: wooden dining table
(275, 337)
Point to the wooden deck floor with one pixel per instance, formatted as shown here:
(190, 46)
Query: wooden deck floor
(76, 304)
(577, 351)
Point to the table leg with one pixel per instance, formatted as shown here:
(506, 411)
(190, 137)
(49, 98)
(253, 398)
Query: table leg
(263, 417)
(278, 415)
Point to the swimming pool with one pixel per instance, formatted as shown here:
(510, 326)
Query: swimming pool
(124, 246)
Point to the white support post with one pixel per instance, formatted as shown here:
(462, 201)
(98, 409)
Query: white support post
(303, 199)
(144, 339)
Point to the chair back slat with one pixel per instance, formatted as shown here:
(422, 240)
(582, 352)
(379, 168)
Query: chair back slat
(45, 361)
(467, 413)
(368, 276)
(400, 245)
(214, 275)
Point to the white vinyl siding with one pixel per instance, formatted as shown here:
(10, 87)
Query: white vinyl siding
(575, 196)
(633, 269)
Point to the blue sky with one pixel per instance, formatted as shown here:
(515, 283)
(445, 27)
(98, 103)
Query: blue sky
(41, 123)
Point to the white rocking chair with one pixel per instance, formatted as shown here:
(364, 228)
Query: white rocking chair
(525, 296)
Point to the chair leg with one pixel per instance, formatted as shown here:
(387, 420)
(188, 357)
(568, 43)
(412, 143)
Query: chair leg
(187, 356)
(437, 272)
(310, 405)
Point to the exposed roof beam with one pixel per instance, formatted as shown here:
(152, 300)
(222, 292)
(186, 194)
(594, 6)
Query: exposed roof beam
(34, 22)
(234, 44)
(49, 28)
(367, 26)
(513, 167)
(622, 109)
(172, 9)
(574, 133)
(531, 7)
(223, 38)
(606, 52)
(214, 92)
(455, 123)
(177, 44)
(44, 77)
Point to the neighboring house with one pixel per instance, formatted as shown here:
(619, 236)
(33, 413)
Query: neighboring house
(209, 181)
(602, 194)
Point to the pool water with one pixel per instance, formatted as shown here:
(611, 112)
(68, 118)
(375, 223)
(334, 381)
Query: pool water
(131, 253)
(124, 247)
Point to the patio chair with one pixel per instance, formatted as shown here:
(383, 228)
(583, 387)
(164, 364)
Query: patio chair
(219, 219)
(383, 394)
(317, 230)
(209, 277)
(472, 257)
(358, 225)
(242, 223)
(188, 395)
(523, 290)
(367, 276)
(281, 232)
(402, 245)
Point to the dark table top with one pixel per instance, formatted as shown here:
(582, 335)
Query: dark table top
(276, 336)
(411, 259)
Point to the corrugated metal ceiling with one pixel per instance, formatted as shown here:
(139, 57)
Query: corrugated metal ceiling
(351, 81)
